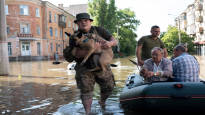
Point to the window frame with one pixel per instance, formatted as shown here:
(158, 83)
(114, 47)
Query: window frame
(27, 25)
(50, 16)
(56, 32)
(38, 30)
(25, 10)
(37, 12)
(9, 49)
(6, 10)
(51, 31)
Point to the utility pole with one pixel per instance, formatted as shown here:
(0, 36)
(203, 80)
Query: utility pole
(4, 61)
(179, 33)
(118, 42)
(179, 30)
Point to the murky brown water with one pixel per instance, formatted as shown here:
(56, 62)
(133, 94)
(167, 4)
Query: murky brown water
(42, 88)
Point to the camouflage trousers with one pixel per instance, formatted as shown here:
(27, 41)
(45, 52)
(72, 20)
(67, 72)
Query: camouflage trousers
(86, 80)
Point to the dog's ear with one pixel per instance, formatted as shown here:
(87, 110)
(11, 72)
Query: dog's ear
(68, 34)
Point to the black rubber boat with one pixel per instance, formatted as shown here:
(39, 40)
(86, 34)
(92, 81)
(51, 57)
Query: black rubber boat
(162, 96)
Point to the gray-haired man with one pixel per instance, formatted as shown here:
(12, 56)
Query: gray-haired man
(157, 68)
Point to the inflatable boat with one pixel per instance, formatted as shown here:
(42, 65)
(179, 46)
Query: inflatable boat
(167, 96)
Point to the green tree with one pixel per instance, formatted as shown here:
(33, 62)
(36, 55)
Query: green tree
(101, 13)
(127, 24)
(121, 23)
(111, 17)
(162, 35)
(171, 39)
(98, 10)
(93, 6)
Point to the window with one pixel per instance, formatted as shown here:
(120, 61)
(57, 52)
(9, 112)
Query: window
(62, 18)
(65, 36)
(51, 31)
(39, 48)
(38, 30)
(185, 17)
(24, 28)
(56, 32)
(56, 47)
(8, 29)
(6, 10)
(61, 33)
(51, 47)
(37, 12)
(75, 27)
(69, 24)
(9, 49)
(24, 10)
(55, 18)
(50, 17)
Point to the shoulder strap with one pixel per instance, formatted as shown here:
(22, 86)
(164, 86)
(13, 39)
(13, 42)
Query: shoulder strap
(95, 31)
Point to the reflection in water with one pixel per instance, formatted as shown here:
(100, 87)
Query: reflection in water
(41, 87)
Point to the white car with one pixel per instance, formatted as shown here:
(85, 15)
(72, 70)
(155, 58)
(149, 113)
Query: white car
(71, 66)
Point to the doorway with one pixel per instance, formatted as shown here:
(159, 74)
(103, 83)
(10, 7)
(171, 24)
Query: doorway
(25, 49)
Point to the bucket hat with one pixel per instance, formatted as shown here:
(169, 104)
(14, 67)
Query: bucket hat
(82, 16)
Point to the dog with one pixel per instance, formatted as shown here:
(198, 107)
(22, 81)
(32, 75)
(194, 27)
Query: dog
(88, 42)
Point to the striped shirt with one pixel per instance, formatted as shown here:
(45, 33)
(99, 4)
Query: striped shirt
(185, 68)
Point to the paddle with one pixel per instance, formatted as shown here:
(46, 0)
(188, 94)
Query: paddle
(135, 64)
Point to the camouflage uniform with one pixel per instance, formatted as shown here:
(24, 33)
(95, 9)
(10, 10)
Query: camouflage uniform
(86, 79)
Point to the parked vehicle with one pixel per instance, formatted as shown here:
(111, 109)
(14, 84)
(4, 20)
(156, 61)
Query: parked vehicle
(71, 66)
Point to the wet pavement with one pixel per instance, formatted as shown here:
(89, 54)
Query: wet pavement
(42, 88)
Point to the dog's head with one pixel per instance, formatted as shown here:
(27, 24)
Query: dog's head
(80, 38)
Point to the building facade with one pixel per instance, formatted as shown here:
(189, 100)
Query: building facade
(192, 21)
(77, 8)
(36, 29)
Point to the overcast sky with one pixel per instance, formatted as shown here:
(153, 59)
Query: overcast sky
(149, 12)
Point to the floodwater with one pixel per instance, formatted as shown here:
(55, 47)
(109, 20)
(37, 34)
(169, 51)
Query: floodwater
(42, 88)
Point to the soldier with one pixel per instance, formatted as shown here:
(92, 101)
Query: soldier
(86, 79)
(146, 43)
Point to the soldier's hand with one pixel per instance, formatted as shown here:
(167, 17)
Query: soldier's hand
(140, 62)
(97, 45)
(107, 44)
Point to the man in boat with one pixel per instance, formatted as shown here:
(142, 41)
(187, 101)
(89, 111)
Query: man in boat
(86, 79)
(157, 68)
(185, 66)
(146, 43)
(185, 45)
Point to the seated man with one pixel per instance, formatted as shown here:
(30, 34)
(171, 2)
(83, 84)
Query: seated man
(185, 66)
(186, 49)
(157, 68)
